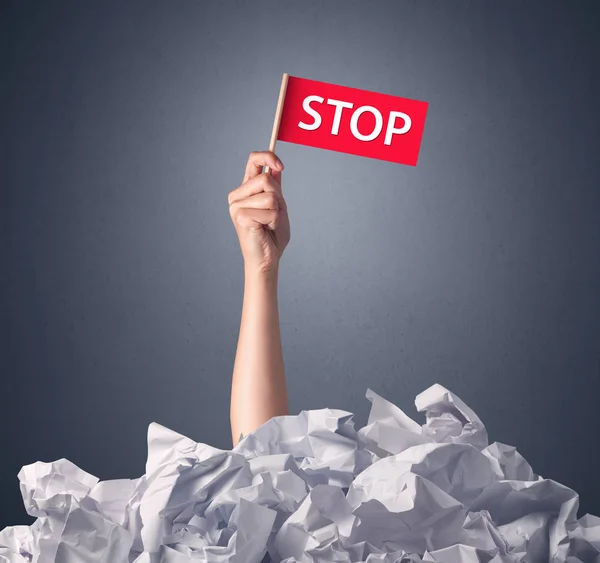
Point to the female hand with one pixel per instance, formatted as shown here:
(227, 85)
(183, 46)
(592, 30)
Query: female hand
(259, 213)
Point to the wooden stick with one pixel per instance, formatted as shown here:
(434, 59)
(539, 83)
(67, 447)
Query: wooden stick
(278, 113)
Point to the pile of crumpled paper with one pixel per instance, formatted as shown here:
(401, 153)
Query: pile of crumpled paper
(310, 488)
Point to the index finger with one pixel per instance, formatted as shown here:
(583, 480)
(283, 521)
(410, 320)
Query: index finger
(257, 160)
(262, 183)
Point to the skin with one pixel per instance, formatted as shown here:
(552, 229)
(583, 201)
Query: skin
(259, 213)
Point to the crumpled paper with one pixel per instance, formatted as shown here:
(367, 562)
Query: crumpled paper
(311, 489)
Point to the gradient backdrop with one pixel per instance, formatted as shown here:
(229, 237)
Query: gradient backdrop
(126, 124)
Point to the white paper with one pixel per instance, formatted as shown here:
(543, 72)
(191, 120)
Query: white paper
(311, 488)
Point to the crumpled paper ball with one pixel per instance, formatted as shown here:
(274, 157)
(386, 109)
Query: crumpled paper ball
(310, 488)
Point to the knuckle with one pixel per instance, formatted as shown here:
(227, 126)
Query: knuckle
(272, 200)
(239, 217)
(263, 180)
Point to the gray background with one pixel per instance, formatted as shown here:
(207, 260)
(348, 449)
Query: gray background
(126, 124)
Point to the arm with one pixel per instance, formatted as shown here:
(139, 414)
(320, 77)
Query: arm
(259, 213)
(258, 389)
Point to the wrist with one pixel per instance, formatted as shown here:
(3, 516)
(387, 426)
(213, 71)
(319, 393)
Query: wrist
(263, 276)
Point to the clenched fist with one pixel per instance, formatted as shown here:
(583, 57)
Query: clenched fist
(259, 213)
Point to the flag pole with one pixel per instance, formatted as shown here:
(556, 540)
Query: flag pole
(278, 113)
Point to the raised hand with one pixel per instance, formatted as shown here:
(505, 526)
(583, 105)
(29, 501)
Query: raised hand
(259, 213)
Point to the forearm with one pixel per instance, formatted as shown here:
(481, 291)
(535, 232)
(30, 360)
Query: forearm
(258, 387)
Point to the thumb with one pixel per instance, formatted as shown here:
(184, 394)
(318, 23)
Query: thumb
(276, 174)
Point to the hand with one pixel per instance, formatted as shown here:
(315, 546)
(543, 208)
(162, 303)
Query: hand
(259, 213)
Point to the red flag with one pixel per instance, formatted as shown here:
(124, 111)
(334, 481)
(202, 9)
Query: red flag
(343, 119)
